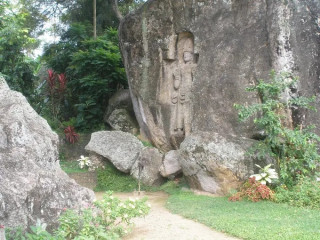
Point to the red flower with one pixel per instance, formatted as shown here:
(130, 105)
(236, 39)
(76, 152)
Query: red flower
(62, 81)
(71, 134)
(51, 79)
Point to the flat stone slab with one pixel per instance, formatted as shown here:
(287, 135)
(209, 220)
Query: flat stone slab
(121, 148)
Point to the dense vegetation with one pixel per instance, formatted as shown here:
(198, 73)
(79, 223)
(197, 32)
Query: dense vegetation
(294, 148)
(70, 84)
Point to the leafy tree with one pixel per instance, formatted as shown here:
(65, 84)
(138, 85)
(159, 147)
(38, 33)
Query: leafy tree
(94, 71)
(15, 43)
(294, 149)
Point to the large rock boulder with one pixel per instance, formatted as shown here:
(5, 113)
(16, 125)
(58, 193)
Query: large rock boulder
(189, 61)
(120, 100)
(146, 168)
(121, 148)
(119, 114)
(122, 120)
(216, 163)
(32, 185)
(170, 166)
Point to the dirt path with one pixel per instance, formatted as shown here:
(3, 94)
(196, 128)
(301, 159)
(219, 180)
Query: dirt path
(160, 224)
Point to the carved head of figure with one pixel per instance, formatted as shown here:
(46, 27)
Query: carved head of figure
(188, 57)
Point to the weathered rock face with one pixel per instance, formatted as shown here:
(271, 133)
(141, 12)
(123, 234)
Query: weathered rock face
(147, 166)
(121, 148)
(189, 61)
(122, 120)
(216, 163)
(170, 166)
(32, 185)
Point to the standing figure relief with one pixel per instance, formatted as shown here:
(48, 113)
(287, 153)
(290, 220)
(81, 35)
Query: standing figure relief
(182, 78)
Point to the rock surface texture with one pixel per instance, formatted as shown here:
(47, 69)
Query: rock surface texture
(171, 166)
(147, 167)
(216, 163)
(121, 148)
(189, 61)
(32, 185)
(119, 114)
(122, 120)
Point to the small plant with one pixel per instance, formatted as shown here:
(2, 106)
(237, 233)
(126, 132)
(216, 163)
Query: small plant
(71, 134)
(265, 174)
(84, 162)
(253, 191)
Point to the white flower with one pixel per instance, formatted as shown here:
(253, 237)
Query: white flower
(149, 205)
(84, 161)
(125, 216)
(266, 174)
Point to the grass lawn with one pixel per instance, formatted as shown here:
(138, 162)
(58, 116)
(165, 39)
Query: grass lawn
(248, 220)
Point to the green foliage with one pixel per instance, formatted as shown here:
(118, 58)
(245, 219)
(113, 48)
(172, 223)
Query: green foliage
(15, 41)
(295, 150)
(107, 219)
(262, 220)
(111, 179)
(304, 194)
(94, 71)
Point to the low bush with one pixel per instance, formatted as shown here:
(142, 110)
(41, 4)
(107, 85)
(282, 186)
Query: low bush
(305, 194)
(253, 191)
(107, 219)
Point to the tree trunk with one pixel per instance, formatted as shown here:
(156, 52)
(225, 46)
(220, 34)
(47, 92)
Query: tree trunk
(95, 19)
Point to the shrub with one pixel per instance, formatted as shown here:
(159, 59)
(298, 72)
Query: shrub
(305, 194)
(295, 150)
(71, 135)
(253, 191)
(107, 219)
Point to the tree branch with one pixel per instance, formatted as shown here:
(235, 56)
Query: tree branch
(116, 9)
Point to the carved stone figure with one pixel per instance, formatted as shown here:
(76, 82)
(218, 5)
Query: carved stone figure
(182, 79)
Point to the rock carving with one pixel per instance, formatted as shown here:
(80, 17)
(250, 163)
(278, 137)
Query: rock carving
(179, 73)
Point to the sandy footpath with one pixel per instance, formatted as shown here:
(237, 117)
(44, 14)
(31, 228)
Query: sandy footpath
(160, 224)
